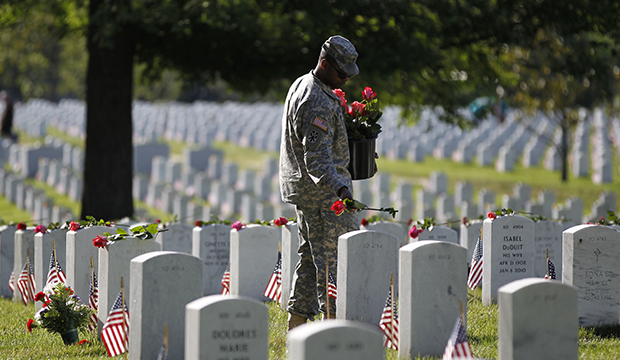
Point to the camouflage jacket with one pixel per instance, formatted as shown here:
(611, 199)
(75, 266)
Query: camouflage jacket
(314, 150)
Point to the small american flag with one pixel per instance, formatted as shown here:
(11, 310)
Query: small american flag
(458, 346)
(115, 331)
(12, 281)
(551, 266)
(226, 281)
(389, 324)
(332, 291)
(475, 274)
(93, 302)
(274, 287)
(55, 273)
(25, 282)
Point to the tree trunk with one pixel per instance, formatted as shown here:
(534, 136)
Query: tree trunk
(108, 163)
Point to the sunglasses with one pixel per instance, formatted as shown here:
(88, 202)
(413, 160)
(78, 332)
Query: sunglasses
(341, 75)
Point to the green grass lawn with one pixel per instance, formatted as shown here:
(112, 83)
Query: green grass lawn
(17, 343)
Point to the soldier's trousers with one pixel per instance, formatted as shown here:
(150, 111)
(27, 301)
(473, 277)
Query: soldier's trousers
(319, 230)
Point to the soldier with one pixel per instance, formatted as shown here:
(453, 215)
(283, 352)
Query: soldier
(314, 156)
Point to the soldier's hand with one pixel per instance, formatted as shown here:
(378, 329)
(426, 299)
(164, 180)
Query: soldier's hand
(344, 193)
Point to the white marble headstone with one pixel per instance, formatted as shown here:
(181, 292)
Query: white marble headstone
(253, 254)
(80, 250)
(538, 320)
(226, 327)
(393, 228)
(591, 263)
(433, 285)
(7, 251)
(114, 263)
(162, 284)
(508, 253)
(211, 244)
(366, 259)
(43, 247)
(24, 246)
(335, 340)
(290, 258)
(439, 233)
(177, 237)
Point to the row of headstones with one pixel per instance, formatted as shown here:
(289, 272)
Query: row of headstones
(358, 251)
(202, 122)
(31, 199)
(544, 204)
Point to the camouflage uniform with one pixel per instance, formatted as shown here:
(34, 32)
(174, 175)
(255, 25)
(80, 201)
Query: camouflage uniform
(314, 156)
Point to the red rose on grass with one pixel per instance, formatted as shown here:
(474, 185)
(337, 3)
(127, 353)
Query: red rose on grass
(237, 225)
(338, 207)
(368, 94)
(491, 215)
(40, 229)
(29, 325)
(100, 241)
(39, 296)
(364, 222)
(73, 226)
(414, 232)
(82, 342)
(21, 226)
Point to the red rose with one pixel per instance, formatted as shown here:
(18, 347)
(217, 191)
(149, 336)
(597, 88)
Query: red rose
(414, 232)
(338, 207)
(73, 226)
(364, 222)
(40, 229)
(368, 94)
(157, 221)
(198, 223)
(464, 220)
(100, 241)
(29, 325)
(237, 225)
(280, 221)
(82, 342)
(491, 215)
(357, 107)
(39, 296)
(340, 94)
(21, 226)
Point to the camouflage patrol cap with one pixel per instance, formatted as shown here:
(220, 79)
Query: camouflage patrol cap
(343, 52)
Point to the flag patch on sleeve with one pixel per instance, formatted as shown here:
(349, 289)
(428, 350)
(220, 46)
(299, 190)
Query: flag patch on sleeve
(320, 123)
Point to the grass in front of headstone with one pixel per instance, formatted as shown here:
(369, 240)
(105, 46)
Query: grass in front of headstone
(17, 343)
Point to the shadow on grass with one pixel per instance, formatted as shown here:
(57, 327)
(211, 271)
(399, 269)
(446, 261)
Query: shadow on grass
(604, 332)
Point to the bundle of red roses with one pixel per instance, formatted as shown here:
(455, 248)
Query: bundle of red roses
(361, 117)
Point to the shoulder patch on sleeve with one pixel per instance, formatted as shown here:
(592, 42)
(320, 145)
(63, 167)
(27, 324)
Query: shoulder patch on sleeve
(320, 123)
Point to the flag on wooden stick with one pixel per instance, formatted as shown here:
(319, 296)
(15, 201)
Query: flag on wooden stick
(93, 297)
(115, 331)
(475, 273)
(226, 281)
(25, 282)
(274, 287)
(550, 275)
(332, 291)
(389, 320)
(458, 346)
